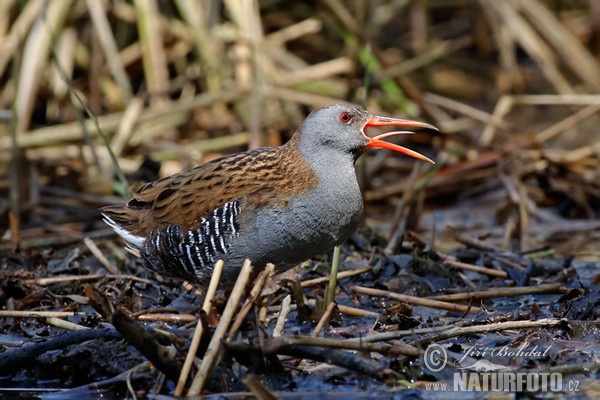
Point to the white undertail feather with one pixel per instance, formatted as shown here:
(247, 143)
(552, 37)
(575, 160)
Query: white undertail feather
(134, 243)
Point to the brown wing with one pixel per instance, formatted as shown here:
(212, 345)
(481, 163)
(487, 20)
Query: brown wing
(182, 199)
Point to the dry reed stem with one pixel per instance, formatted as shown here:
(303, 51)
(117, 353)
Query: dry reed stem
(65, 278)
(181, 318)
(10, 43)
(66, 325)
(567, 123)
(283, 313)
(259, 284)
(258, 389)
(469, 267)
(151, 40)
(292, 32)
(274, 345)
(108, 123)
(206, 44)
(501, 292)
(109, 47)
(531, 41)
(191, 354)
(35, 52)
(40, 314)
(425, 302)
(579, 59)
(467, 110)
(212, 354)
(324, 318)
(125, 128)
(496, 327)
(429, 56)
(353, 311)
(503, 107)
(213, 286)
(62, 69)
(336, 66)
(91, 245)
(340, 276)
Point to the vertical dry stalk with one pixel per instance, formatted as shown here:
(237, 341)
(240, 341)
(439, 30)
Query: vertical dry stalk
(214, 347)
(154, 58)
(109, 47)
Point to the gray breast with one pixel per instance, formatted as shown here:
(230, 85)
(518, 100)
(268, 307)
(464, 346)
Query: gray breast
(310, 224)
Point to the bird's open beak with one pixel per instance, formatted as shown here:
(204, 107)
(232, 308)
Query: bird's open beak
(376, 142)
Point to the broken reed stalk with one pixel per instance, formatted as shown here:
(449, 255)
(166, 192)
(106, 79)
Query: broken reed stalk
(283, 313)
(353, 311)
(502, 292)
(416, 300)
(258, 389)
(273, 346)
(191, 354)
(324, 318)
(212, 286)
(91, 245)
(41, 314)
(340, 276)
(212, 354)
(447, 259)
(259, 284)
(171, 318)
(495, 327)
(80, 278)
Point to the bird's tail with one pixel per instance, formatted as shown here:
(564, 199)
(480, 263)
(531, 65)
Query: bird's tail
(116, 218)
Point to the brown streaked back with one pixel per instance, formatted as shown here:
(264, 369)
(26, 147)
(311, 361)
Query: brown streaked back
(260, 177)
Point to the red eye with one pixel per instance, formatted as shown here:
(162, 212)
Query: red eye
(345, 117)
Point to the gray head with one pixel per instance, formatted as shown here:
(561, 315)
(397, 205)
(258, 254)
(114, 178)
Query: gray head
(341, 128)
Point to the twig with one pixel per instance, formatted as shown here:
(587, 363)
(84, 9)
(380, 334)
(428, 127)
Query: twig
(109, 47)
(340, 276)
(567, 123)
(437, 51)
(469, 111)
(108, 123)
(212, 287)
(495, 327)
(182, 318)
(61, 323)
(211, 356)
(324, 318)
(385, 336)
(98, 254)
(415, 300)
(260, 391)
(40, 314)
(531, 41)
(283, 313)
(501, 292)
(276, 344)
(447, 259)
(191, 354)
(260, 281)
(574, 54)
(356, 312)
(83, 278)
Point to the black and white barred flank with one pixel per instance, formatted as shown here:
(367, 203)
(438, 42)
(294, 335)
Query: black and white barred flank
(191, 254)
